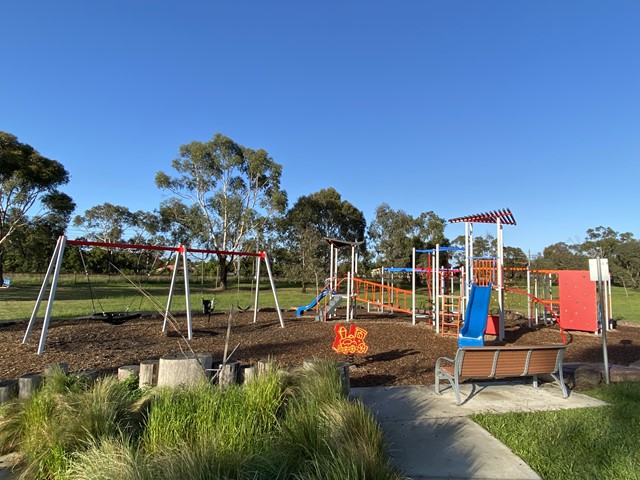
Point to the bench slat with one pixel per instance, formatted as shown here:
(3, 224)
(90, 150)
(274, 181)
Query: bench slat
(511, 363)
(478, 364)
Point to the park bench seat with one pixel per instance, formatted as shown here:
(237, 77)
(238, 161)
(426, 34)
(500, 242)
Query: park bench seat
(501, 362)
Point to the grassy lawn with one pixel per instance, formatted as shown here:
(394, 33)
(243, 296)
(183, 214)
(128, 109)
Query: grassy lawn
(582, 443)
(74, 298)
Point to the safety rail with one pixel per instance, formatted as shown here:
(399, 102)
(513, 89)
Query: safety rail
(385, 296)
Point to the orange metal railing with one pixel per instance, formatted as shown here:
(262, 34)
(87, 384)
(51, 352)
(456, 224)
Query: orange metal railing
(386, 296)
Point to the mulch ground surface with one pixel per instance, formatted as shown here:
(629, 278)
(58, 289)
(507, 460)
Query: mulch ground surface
(399, 353)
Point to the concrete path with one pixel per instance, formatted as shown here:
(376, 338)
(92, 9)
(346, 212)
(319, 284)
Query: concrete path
(430, 437)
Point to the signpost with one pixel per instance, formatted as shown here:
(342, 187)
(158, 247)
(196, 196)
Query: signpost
(599, 271)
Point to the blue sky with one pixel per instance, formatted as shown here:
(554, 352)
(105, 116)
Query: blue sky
(457, 107)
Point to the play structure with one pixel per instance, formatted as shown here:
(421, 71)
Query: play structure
(52, 275)
(468, 302)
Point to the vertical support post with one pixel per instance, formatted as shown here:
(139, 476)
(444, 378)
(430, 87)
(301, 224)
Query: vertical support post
(273, 287)
(470, 278)
(349, 296)
(176, 264)
(528, 295)
(381, 309)
(413, 286)
(257, 300)
(187, 293)
(43, 289)
(500, 275)
(52, 296)
(436, 287)
(332, 278)
(603, 321)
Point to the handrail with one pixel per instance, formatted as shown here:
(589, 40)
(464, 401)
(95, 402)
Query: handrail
(386, 296)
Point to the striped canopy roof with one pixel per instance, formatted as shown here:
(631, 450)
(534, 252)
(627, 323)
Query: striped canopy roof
(505, 216)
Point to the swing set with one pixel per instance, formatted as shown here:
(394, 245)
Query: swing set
(51, 278)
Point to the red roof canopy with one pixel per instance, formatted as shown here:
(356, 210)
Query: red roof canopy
(505, 216)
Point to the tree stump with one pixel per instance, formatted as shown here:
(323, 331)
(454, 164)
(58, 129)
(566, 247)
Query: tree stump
(28, 384)
(249, 374)
(265, 366)
(127, 371)
(8, 390)
(183, 369)
(229, 373)
(148, 373)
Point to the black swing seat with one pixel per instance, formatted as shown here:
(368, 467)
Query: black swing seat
(116, 318)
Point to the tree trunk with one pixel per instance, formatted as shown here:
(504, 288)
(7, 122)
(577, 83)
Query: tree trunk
(1, 265)
(223, 267)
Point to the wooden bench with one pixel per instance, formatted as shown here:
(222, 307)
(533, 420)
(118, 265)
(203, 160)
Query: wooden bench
(501, 362)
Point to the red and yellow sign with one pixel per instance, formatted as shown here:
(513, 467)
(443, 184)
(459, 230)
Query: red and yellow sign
(349, 342)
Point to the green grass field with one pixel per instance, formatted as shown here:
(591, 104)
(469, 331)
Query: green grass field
(74, 298)
(577, 443)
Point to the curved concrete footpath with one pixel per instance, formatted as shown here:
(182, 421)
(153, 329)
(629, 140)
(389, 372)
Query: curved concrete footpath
(429, 437)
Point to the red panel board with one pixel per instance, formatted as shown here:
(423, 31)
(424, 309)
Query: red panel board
(577, 301)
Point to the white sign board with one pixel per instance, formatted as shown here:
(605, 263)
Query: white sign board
(604, 269)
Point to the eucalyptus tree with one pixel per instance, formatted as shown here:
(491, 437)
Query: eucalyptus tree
(621, 249)
(28, 181)
(314, 217)
(105, 223)
(224, 195)
(394, 233)
(391, 236)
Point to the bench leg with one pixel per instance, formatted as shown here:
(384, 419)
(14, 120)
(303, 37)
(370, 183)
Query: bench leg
(456, 389)
(559, 377)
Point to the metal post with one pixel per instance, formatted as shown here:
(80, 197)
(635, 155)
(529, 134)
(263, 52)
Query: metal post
(173, 283)
(256, 303)
(52, 296)
(436, 291)
(185, 262)
(602, 321)
(45, 284)
(273, 288)
(413, 286)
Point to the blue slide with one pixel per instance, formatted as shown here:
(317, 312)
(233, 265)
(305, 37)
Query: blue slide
(475, 317)
(304, 308)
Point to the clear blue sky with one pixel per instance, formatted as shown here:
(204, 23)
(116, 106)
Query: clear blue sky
(452, 106)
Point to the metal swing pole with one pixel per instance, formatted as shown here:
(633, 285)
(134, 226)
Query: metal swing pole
(57, 254)
(173, 283)
(257, 279)
(265, 255)
(187, 293)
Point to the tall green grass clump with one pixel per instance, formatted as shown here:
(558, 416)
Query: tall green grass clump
(580, 443)
(62, 418)
(280, 426)
(214, 429)
(325, 436)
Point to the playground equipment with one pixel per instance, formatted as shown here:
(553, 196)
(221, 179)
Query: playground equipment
(499, 218)
(53, 273)
(472, 333)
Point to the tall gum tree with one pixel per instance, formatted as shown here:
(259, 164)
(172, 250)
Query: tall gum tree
(235, 190)
(312, 218)
(28, 181)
